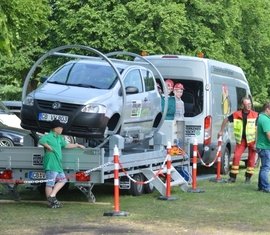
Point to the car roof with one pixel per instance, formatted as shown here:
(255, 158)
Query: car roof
(118, 64)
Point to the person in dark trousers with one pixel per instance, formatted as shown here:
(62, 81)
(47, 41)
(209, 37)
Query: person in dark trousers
(244, 124)
(263, 148)
(53, 143)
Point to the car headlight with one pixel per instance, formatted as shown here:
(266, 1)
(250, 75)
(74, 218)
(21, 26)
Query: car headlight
(94, 108)
(29, 100)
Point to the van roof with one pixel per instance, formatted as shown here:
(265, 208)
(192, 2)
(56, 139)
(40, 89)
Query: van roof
(215, 66)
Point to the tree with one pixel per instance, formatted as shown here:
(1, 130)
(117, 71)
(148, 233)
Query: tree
(254, 38)
(25, 25)
(137, 25)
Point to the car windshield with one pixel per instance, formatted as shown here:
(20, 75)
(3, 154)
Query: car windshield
(85, 75)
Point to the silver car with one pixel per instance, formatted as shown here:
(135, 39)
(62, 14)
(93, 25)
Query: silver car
(89, 97)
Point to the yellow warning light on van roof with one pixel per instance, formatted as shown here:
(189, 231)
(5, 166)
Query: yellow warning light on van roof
(200, 54)
(144, 53)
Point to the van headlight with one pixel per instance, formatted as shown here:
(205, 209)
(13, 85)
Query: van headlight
(94, 108)
(29, 100)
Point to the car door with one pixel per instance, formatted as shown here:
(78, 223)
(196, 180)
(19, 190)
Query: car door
(134, 112)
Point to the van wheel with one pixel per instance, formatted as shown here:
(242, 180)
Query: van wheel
(225, 162)
(137, 189)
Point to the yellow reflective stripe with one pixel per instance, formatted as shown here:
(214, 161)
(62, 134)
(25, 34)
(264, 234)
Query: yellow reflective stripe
(250, 170)
(234, 171)
(235, 167)
(251, 130)
(238, 129)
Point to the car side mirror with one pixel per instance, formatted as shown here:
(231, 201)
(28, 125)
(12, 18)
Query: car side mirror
(129, 90)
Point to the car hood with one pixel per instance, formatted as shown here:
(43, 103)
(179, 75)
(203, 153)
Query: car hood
(71, 94)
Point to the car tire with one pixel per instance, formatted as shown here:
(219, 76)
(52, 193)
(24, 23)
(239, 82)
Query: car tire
(137, 189)
(5, 142)
(225, 161)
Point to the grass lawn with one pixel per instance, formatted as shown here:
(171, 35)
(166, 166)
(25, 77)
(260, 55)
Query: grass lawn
(222, 209)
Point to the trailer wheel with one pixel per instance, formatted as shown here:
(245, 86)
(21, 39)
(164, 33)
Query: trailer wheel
(225, 162)
(149, 188)
(137, 189)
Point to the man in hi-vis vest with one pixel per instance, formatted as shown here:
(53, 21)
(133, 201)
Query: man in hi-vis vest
(244, 125)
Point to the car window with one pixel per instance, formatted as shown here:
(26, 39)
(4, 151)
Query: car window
(61, 75)
(86, 75)
(148, 78)
(133, 78)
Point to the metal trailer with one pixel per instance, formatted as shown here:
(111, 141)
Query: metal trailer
(20, 165)
(24, 164)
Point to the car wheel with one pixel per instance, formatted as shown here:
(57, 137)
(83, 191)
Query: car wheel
(5, 142)
(225, 162)
(137, 189)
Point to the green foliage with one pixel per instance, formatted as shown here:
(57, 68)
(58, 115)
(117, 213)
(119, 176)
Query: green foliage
(119, 25)
(232, 31)
(26, 23)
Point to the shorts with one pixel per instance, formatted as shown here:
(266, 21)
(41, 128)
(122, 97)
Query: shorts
(54, 177)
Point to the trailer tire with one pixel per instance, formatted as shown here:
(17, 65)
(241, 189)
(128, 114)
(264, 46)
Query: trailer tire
(137, 189)
(149, 188)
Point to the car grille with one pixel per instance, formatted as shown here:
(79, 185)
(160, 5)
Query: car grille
(65, 107)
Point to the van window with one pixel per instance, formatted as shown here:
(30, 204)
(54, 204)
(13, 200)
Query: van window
(240, 93)
(192, 97)
(133, 78)
(148, 78)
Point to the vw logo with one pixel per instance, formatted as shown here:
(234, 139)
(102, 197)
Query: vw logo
(56, 105)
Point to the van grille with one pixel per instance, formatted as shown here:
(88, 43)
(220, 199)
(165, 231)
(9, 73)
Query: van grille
(65, 107)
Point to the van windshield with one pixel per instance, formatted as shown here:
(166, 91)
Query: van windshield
(85, 75)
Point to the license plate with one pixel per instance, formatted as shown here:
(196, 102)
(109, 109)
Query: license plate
(50, 117)
(37, 175)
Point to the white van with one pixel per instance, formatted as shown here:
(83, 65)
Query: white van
(213, 90)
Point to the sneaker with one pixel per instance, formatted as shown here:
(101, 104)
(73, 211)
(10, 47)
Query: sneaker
(231, 180)
(54, 206)
(53, 202)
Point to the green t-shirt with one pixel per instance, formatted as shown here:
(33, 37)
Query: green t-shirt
(171, 107)
(263, 126)
(52, 160)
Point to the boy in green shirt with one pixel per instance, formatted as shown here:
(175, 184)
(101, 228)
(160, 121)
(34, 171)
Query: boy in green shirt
(53, 143)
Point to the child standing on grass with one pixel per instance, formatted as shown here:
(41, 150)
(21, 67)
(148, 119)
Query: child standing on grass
(53, 143)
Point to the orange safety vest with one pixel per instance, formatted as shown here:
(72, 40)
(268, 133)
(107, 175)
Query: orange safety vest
(250, 127)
